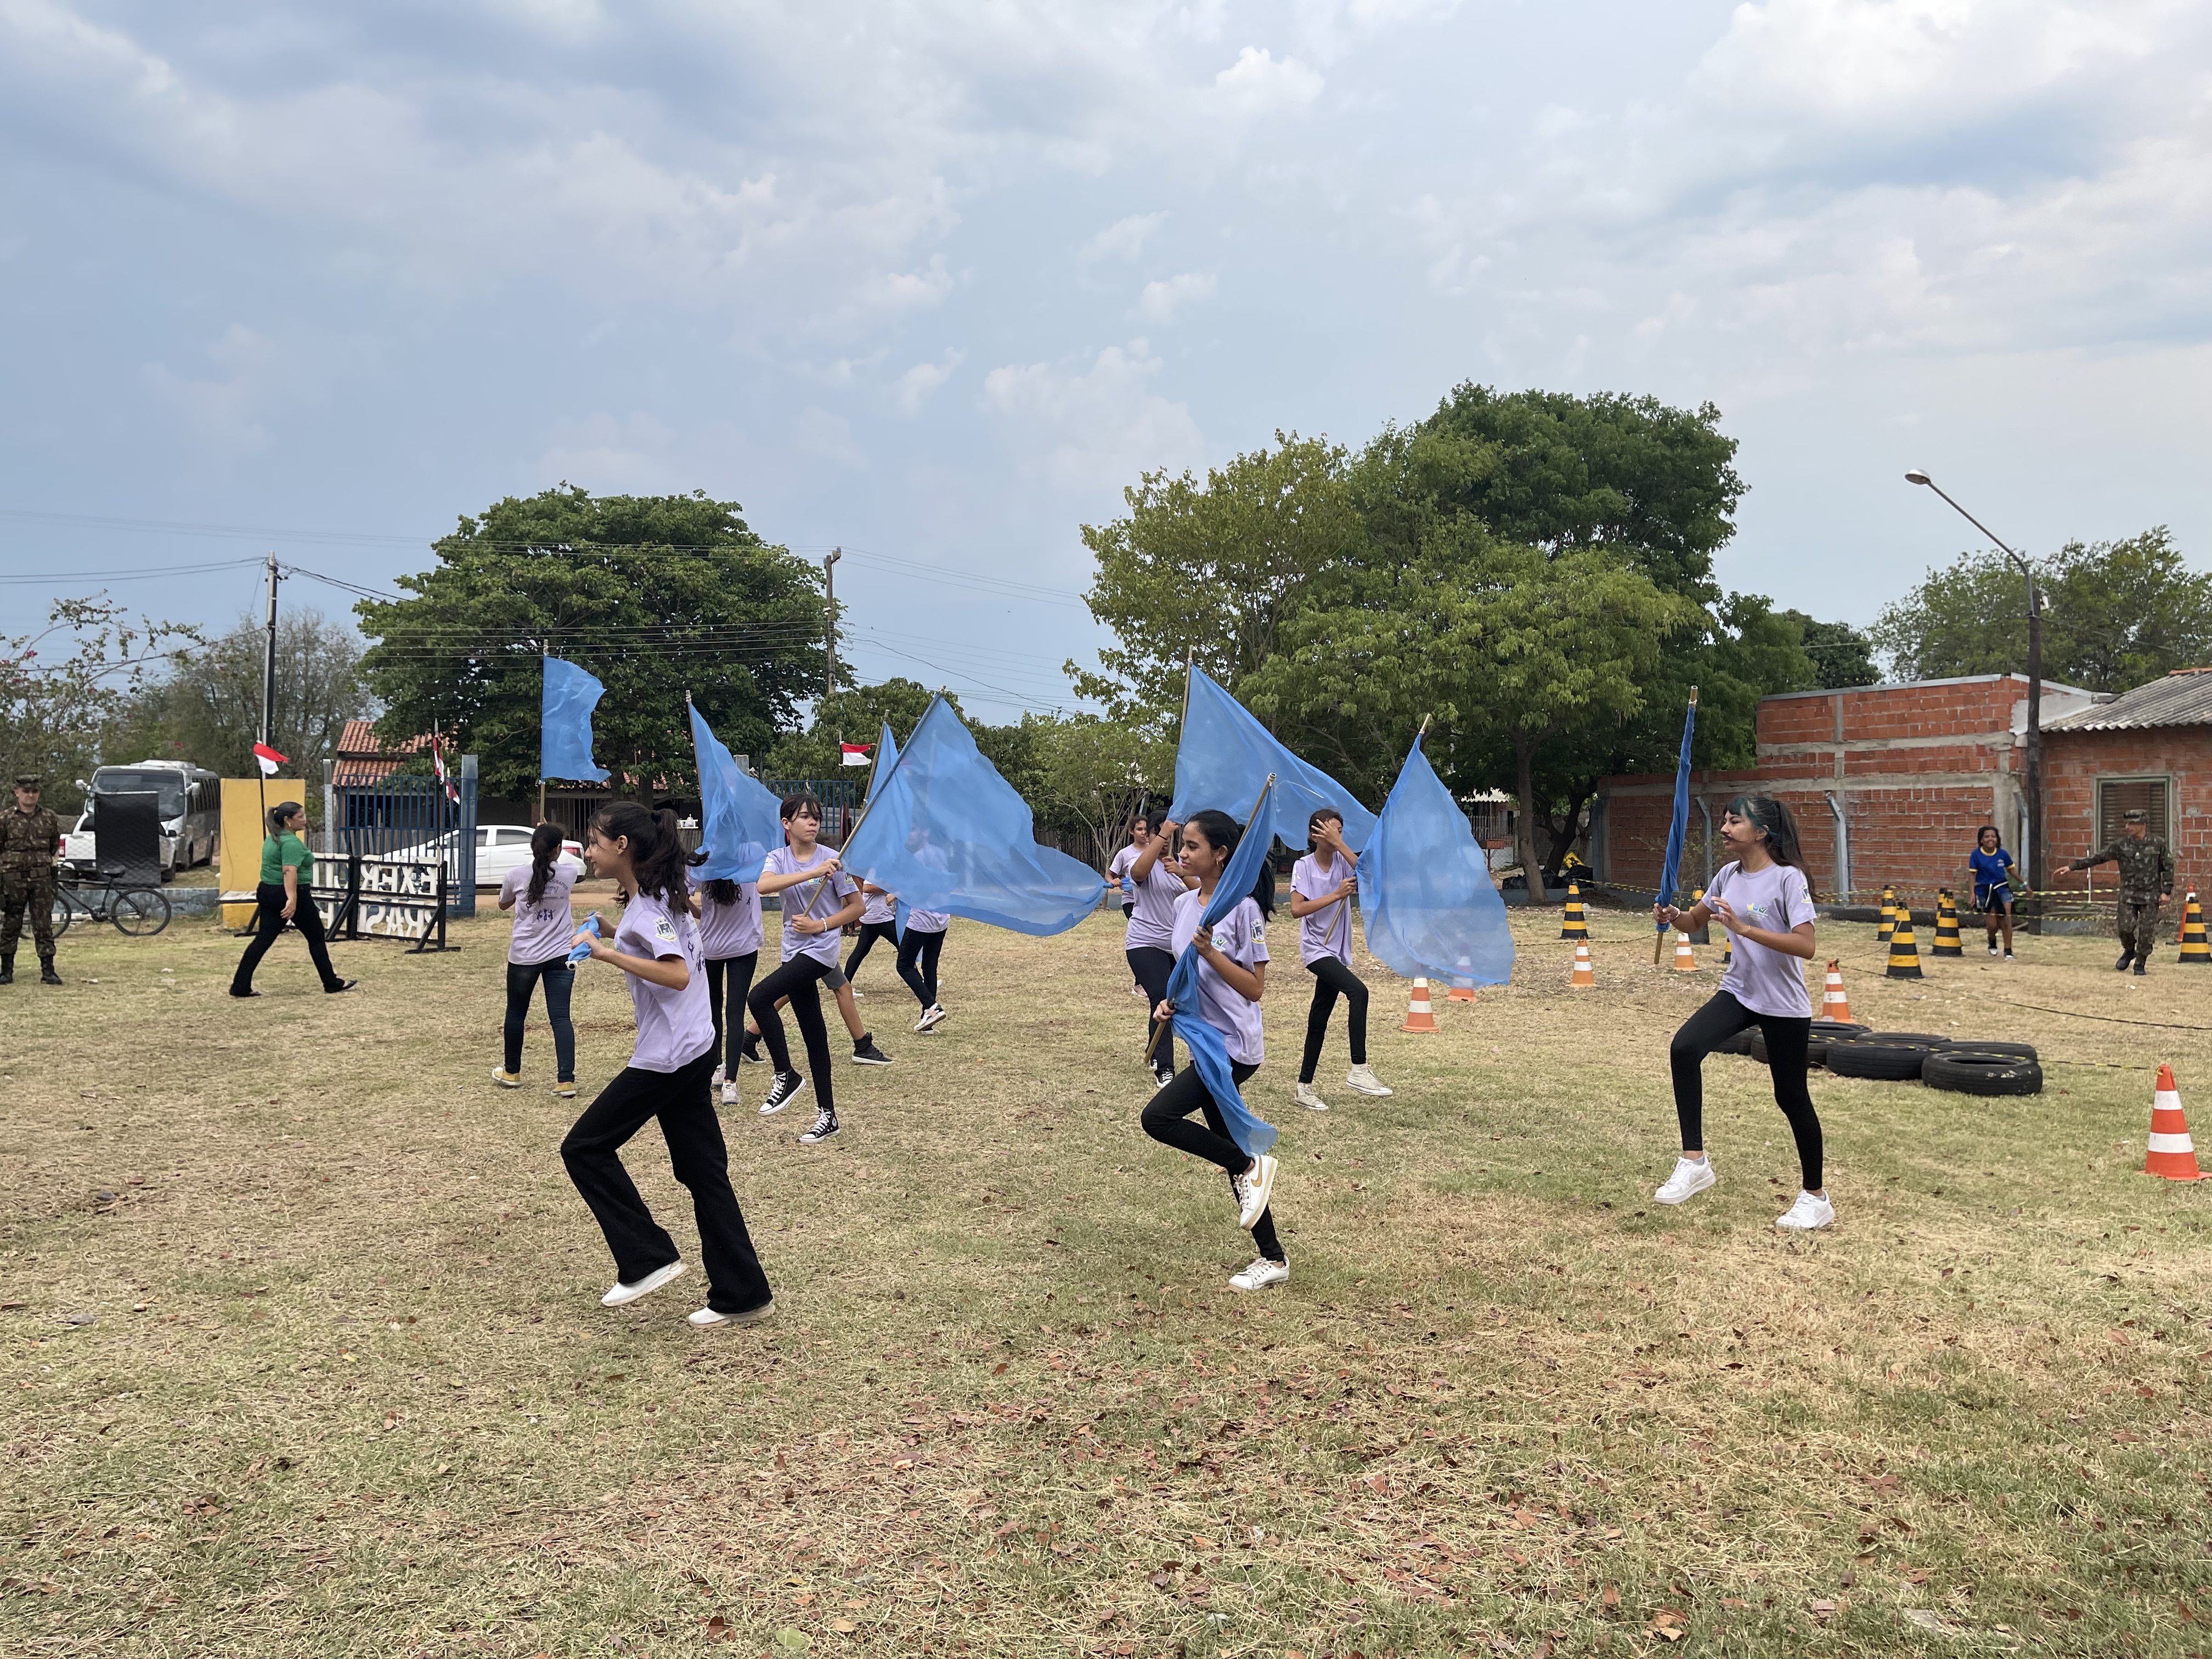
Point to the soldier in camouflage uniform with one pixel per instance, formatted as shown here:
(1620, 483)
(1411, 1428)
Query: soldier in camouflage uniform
(2146, 882)
(27, 835)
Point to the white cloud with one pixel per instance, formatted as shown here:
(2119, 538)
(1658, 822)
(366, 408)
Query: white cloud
(1098, 427)
(1258, 83)
(920, 383)
(1161, 301)
(828, 436)
(1124, 239)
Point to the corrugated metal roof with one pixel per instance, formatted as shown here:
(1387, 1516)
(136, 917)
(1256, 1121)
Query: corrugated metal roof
(2182, 698)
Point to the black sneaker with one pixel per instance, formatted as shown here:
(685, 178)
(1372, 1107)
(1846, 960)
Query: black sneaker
(865, 1053)
(789, 1085)
(749, 1050)
(1164, 1075)
(825, 1125)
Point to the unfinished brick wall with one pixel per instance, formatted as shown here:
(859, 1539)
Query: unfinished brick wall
(2074, 761)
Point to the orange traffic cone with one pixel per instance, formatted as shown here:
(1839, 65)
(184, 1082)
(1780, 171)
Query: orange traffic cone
(1834, 1004)
(1685, 960)
(1418, 1017)
(1583, 979)
(2171, 1152)
(1460, 994)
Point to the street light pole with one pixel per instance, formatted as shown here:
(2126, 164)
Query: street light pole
(2038, 876)
(829, 622)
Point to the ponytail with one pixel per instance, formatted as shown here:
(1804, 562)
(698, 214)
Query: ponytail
(544, 852)
(1224, 832)
(1772, 819)
(656, 843)
(719, 889)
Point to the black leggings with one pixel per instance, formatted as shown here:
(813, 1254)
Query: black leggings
(1167, 1120)
(559, 979)
(269, 921)
(917, 965)
(1786, 1038)
(1153, 968)
(740, 975)
(870, 932)
(1332, 979)
(798, 978)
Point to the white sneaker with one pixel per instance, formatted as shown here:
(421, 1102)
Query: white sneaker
(505, 1079)
(1362, 1079)
(1305, 1096)
(1993, 950)
(931, 1018)
(729, 1094)
(1259, 1187)
(1260, 1274)
(707, 1318)
(1806, 1213)
(623, 1295)
(1690, 1177)
(715, 1081)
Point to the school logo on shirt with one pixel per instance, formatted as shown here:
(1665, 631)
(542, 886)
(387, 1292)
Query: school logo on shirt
(1222, 938)
(666, 930)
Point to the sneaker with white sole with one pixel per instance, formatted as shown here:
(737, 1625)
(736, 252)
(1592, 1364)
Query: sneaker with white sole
(1362, 1079)
(729, 1094)
(789, 1085)
(1260, 1274)
(1258, 1187)
(623, 1295)
(707, 1319)
(715, 1081)
(749, 1050)
(1304, 1095)
(1692, 1176)
(932, 1017)
(564, 1091)
(825, 1125)
(1993, 950)
(506, 1079)
(1808, 1213)
(1163, 1075)
(864, 1052)
(1137, 990)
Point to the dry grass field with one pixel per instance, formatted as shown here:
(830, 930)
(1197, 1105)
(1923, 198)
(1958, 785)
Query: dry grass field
(303, 1353)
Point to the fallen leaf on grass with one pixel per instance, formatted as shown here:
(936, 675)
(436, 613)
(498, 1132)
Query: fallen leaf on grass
(793, 1641)
(1926, 1619)
(717, 1628)
(843, 1626)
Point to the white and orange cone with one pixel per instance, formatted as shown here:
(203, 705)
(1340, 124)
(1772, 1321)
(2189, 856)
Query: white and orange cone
(2171, 1153)
(1462, 993)
(1834, 1004)
(1685, 960)
(1419, 1014)
(1583, 979)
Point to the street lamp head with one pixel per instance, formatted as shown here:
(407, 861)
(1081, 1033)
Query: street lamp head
(830, 558)
(1918, 477)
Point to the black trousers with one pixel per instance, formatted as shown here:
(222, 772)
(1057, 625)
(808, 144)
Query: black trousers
(560, 980)
(917, 965)
(1332, 979)
(870, 932)
(728, 1033)
(1167, 1120)
(1786, 1039)
(269, 921)
(685, 1105)
(800, 979)
(1153, 968)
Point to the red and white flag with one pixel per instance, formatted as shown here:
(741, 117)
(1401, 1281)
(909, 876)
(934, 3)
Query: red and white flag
(268, 759)
(438, 760)
(855, 754)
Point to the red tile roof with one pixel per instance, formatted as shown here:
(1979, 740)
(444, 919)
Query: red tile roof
(362, 758)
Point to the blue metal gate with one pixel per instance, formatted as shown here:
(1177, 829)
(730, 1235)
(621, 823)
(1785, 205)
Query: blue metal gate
(410, 819)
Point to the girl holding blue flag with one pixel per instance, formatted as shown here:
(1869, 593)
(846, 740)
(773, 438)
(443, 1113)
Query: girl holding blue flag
(1232, 973)
(729, 915)
(1158, 885)
(1762, 899)
(1322, 886)
(823, 898)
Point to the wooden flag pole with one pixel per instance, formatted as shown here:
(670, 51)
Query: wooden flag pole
(1160, 1025)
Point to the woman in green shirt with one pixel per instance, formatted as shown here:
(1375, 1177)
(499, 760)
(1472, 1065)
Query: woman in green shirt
(287, 867)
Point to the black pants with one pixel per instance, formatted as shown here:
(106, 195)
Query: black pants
(1153, 968)
(1167, 1120)
(560, 979)
(870, 932)
(917, 965)
(269, 921)
(1722, 1018)
(800, 979)
(685, 1106)
(1332, 979)
(728, 1033)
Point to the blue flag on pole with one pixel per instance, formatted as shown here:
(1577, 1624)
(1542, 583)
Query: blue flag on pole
(886, 758)
(1209, 1050)
(565, 724)
(1225, 755)
(1426, 890)
(740, 823)
(946, 832)
(1671, 871)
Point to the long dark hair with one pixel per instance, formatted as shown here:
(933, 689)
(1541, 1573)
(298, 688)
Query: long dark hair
(544, 852)
(279, 812)
(1771, 820)
(1321, 816)
(719, 889)
(1224, 832)
(656, 847)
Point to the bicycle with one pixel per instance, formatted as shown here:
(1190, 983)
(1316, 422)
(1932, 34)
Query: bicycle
(141, 912)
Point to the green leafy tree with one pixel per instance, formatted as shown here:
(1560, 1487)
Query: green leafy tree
(1094, 774)
(208, 710)
(66, 689)
(1841, 655)
(655, 595)
(854, 715)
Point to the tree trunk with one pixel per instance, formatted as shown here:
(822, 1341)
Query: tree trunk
(1563, 833)
(1524, 828)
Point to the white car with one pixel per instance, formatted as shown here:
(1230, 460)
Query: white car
(500, 847)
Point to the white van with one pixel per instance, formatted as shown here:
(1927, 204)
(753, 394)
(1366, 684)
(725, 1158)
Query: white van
(189, 800)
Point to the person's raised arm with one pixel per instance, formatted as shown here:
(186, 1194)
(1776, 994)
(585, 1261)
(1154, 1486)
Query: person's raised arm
(774, 881)
(1154, 850)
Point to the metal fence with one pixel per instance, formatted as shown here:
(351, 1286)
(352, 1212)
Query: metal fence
(408, 820)
(841, 798)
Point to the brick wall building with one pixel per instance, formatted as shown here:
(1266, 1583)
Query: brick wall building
(2151, 748)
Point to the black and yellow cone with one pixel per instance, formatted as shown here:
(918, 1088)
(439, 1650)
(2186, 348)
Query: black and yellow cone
(1947, 926)
(1888, 916)
(1903, 954)
(1702, 935)
(2194, 949)
(1574, 923)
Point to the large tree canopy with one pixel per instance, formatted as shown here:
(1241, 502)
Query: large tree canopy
(207, 711)
(655, 595)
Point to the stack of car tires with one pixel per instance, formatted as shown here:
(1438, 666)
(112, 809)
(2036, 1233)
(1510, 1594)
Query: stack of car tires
(1971, 1068)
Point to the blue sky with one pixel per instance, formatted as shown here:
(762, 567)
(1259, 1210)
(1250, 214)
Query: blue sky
(935, 281)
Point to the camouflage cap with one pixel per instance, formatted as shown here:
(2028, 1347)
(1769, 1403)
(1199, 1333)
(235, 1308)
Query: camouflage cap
(29, 780)
(2136, 815)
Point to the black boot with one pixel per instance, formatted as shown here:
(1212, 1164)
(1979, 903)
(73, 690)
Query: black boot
(7, 970)
(2126, 956)
(2143, 966)
(46, 974)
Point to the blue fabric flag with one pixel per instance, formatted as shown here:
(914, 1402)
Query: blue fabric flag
(1424, 888)
(886, 764)
(1209, 1050)
(1225, 755)
(946, 832)
(740, 823)
(565, 724)
(1671, 871)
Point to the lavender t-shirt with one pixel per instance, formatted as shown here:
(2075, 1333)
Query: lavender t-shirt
(1326, 932)
(927, 922)
(1765, 981)
(728, 930)
(1117, 869)
(542, 927)
(1152, 923)
(674, 1027)
(821, 898)
(876, 908)
(1241, 936)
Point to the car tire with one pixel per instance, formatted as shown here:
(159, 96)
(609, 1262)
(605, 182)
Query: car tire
(2016, 1050)
(1975, 1072)
(1739, 1044)
(1825, 1031)
(1910, 1039)
(1880, 1062)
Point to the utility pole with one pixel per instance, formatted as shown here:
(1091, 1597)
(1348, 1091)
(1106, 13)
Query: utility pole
(829, 622)
(269, 663)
